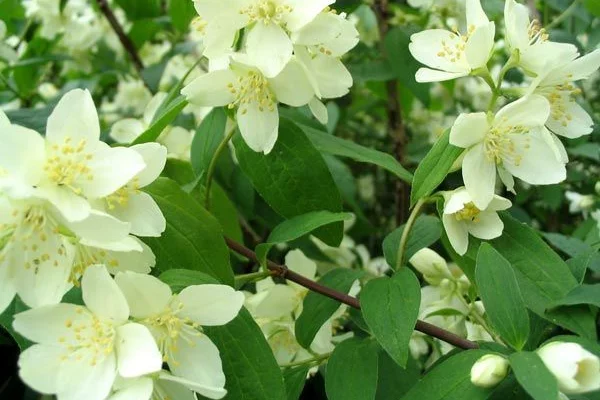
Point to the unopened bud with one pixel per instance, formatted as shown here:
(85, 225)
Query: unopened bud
(433, 267)
(489, 371)
(576, 369)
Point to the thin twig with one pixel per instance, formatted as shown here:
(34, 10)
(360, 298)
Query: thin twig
(123, 38)
(284, 272)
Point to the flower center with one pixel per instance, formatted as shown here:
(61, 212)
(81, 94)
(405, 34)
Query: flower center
(453, 49)
(468, 213)
(87, 256)
(93, 338)
(120, 198)
(266, 11)
(68, 163)
(252, 88)
(537, 34)
(499, 145)
(560, 97)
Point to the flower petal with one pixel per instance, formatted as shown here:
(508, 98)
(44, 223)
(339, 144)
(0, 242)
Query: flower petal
(208, 372)
(569, 119)
(102, 295)
(179, 388)
(433, 75)
(39, 366)
(457, 233)
(137, 351)
(71, 206)
(127, 130)
(258, 128)
(211, 305)
(488, 226)
(428, 48)
(530, 111)
(211, 89)
(140, 389)
(319, 110)
(475, 14)
(469, 129)
(479, 46)
(145, 294)
(22, 154)
(303, 12)
(479, 175)
(333, 78)
(292, 86)
(100, 227)
(155, 158)
(47, 325)
(74, 117)
(144, 215)
(85, 380)
(269, 48)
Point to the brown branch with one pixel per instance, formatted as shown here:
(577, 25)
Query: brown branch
(395, 122)
(284, 272)
(123, 38)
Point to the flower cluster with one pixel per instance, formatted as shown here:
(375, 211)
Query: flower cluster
(266, 52)
(521, 138)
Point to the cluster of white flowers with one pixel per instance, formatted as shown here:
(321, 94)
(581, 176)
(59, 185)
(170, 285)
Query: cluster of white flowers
(519, 140)
(266, 52)
(71, 209)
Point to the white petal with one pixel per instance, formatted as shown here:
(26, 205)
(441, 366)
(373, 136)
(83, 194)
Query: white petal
(111, 169)
(74, 117)
(137, 352)
(319, 110)
(479, 46)
(127, 130)
(179, 388)
(82, 380)
(258, 128)
(304, 12)
(488, 226)
(144, 215)
(39, 366)
(100, 227)
(292, 86)
(427, 48)
(136, 261)
(296, 261)
(456, 201)
(538, 164)
(22, 154)
(211, 305)
(192, 349)
(145, 294)
(516, 17)
(333, 79)
(506, 178)
(140, 389)
(433, 75)
(528, 111)
(72, 206)
(457, 233)
(475, 14)
(126, 244)
(211, 90)
(269, 48)
(573, 122)
(479, 175)
(48, 324)
(152, 108)
(4, 121)
(280, 301)
(469, 129)
(102, 295)
(499, 203)
(325, 27)
(155, 158)
(581, 68)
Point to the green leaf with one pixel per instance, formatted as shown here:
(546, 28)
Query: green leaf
(164, 116)
(571, 246)
(226, 213)
(294, 379)
(593, 6)
(143, 30)
(433, 169)
(329, 144)
(390, 307)
(425, 232)
(250, 368)
(297, 227)
(193, 238)
(584, 294)
(403, 63)
(580, 264)
(293, 178)
(179, 279)
(207, 138)
(140, 9)
(352, 371)
(6, 321)
(533, 376)
(317, 309)
(501, 296)
(181, 12)
(28, 76)
(394, 381)
(450, 380)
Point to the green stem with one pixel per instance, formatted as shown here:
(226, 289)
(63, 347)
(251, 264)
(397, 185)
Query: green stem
(213, 164)
(512, 62)
(241, 280)
(407, 228)
(317, 359)
(475, 316)
(565, 14)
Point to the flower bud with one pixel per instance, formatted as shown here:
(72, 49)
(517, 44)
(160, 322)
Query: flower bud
(576, 369)
(431, 265)
(489, 371)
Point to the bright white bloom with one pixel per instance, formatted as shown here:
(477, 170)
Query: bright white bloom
(254, 96)
(161, 386)
(463, 218)
(576, 369)
(452, 55)
(433, 266)
(489, 371)
(567, 118)
(132, 96)
(152, 53)
(536, 54)
(513, 143)
(81, 349)
(267, 42)
(176, 322)
(579, 203)
(70, 166)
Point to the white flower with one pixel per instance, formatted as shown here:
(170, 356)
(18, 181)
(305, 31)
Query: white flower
(268, 22)
(489, 371)
(329, 34)
(463, 218)
(513, 143)
(576, 369)
(133, 96)
(452, 54)
(70, 165)
(161, 386)
(152, 53)
(81, 349)
(536, 54)
(433, 267)
(567, 118)
(176, 321)
(579, 203)
(254, 96)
